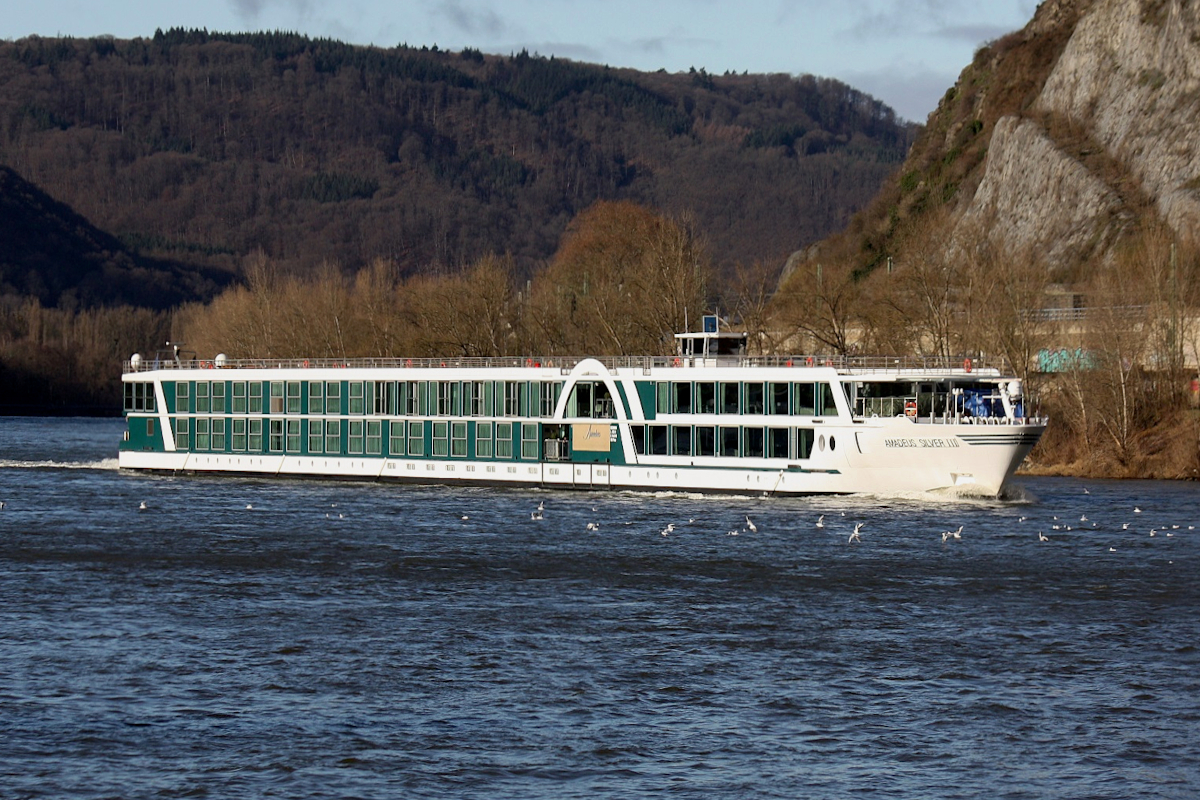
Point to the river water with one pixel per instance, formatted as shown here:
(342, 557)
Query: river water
(268, 638)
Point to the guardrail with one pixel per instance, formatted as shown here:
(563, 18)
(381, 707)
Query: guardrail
(854, 364)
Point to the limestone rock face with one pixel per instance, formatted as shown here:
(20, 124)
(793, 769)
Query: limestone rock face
(1127, 82)
(1131, 74)
(1033, 196)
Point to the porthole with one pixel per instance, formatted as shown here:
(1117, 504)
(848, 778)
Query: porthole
(832, 444)
(821, 442)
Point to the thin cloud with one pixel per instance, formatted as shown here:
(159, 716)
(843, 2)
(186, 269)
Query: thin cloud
(472, 21)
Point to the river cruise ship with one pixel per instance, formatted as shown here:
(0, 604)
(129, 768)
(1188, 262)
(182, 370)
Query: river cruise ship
(708, 419)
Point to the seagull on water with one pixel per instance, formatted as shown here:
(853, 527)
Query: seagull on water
(142, 506)
(667, 530)
(536, 514)
(1137, 510)
(952, 534)
(854, 535)
(753, 528)
(1043, 537)
(593, 526)
(821, 521)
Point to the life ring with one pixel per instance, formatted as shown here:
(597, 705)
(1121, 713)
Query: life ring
(910, 409)
(789, 362)
(408, 362)
(967, 364)
(306, 363)
(676, 362)
(808, 362)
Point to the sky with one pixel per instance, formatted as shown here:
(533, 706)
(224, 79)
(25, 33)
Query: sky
(906, 53)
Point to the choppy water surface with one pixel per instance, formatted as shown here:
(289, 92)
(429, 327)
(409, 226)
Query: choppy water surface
(260, 638)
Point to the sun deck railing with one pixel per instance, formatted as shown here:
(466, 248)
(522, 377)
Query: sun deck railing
(853, 364)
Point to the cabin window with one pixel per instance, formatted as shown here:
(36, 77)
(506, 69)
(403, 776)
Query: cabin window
(442, 406)
(293, 397)
(729, 398)
(375, 398)
(657, 439)
(333, 398)
(512, 394)
(218, 435)
(441, 438)
(528, 391)
(316, 398)
(529, 441)
(754, 398)
(181, 434)
(255, 438)
(662, 397)
(681, 397)
(777, 442)
(218, 397)
(396, 437)
(489, 395)
(638, 433)
(181, 397)
(356, 397)
(277, 398)
(729, 442)
(706, 440)
(239, 397)
(293, 436)
(256, 398)
(550, 395)
(804, 399)
(458, 440)
(202, 401)
(239, 433)
(202, 434)
(706, 398)
(590, 399)
(150, 427)
(804, 442)
(416, 438)
(504, 440)
(682, 444)
(375, 437)
(316, 434)
(386, 398)
(139, 396)
(778, 398)
(828, 406)
(333, 436)
(354, 437)
(752, 442)
(483, 440)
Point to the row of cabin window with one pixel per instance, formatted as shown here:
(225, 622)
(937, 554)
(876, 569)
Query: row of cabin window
(139, 396)
(712, 397)
(392, 398)
(363, 437)
(724, 441)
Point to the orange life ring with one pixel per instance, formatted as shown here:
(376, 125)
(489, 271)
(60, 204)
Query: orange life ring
(306, 363)
(789, 362)
(808, 362)
(910, 409)
(677, 362)
(967, 364)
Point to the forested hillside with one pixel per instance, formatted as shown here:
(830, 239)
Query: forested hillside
(207, 147)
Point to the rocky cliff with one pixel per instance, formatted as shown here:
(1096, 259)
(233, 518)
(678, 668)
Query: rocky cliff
(1058, 140)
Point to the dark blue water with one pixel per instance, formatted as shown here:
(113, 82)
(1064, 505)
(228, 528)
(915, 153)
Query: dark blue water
(365, 640)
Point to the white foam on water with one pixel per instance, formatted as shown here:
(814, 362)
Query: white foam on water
(104, 463)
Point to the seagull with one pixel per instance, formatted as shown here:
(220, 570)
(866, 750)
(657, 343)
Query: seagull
(821, 521)
(2, 505)
(541, 505)
(593, 526)
(1124, 526)
(733, 532)
(1043, 537)
(751, 525)
(464, 518)
(854, 535)
(952, 534)
(1083, 518)
(1022, 519)
(1153, 532)
(670, 527)
(142, 506)
(536, 514)
(1085, 490)
(1137, 510)
(249, 506)
(1112, 549)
